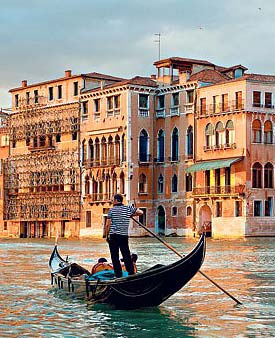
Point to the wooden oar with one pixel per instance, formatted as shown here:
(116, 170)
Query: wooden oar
(180, 255)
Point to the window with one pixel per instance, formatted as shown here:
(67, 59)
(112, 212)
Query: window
(219, 134)
(142, 187)
(160, 184)
(268, 175)
(50, 93)
(189, 211)
(238, 209)
(175, 99)
(160, 146)
(268, 100)
(175, 183)
(225, 105)
(257, 175)
(117, 104)
(256, 131)
(88, 219)
(218, 209)
(143, 101)
(257, 208)
(97, 107)
(110, 105)
(189, 142)
(175, 145)
(174, 211)
(203, 105)
(238, 100)
(216, 104)
(58, 137)
(16, 100)
(209, 131)
(35, 96)
(27, 98)
(160, 101)
(74, 127)
(268, 207)
(75, 88)
(85, 108)
(143, 218)
(256, 99)
(189, 182)
(5, 225)
(268, 132)
(59, 92)
(229, 133)
(143, 146)
(190, 96)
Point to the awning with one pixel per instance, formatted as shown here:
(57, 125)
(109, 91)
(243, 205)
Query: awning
(208, 165)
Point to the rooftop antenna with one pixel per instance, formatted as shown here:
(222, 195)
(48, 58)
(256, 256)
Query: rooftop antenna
(158, 41)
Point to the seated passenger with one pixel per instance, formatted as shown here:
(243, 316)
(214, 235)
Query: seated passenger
(101, 265)
(134, 260)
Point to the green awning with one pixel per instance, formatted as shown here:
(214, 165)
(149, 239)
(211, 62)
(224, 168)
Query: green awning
(208, 165)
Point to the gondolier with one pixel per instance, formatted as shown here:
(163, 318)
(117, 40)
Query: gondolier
(116, 232)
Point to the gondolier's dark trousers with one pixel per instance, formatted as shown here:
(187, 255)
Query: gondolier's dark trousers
(116, 243)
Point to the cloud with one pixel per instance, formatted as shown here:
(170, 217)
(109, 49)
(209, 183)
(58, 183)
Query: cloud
(40, 39)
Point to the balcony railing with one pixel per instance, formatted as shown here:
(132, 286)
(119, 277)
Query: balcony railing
(175, 111)
(220, 108)
(143, 112)
(220, 146)
(144, 159)
(219, 190)
(160, 112)
(99, 197)
(102, 163)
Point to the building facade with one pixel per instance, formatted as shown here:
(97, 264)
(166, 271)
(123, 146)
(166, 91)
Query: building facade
(191, 146)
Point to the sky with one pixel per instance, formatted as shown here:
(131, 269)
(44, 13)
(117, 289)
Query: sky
(40, 39)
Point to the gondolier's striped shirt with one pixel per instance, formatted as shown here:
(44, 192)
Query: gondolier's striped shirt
(120, 218)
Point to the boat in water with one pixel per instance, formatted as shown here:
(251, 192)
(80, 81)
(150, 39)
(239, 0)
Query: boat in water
(144, 289)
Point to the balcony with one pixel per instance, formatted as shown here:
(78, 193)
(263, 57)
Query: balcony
(189, 108)
(102, 163)
(99, 197)
(226, 190)
(144, 159)
(143, 112)
(221, 108)
(160, 113)
(175, 111)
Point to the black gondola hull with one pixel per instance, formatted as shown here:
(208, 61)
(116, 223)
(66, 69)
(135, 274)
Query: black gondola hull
(146, 289)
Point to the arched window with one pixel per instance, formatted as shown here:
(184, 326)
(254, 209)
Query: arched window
(111, 150)
(189, 141)
(142, 184)
(256, 131)
(123, 148)
(268, 175)
(160, 184)
(143, 146)
(209, 131)
(114, 183)
(229, 133)
(103, 151)
(160, 146)
(97, 152)
(91, 151)
(87, 185)
(257, 175)
(268, 132)
(188, 211)
(175, 183)
(107, 186)
(219, 134)
(174, 211)
(83, 152)
(175, 145)
(117, 149)
(122, 183)
(189, 183)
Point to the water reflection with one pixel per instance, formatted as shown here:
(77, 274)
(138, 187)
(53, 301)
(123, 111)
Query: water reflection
(30, 308)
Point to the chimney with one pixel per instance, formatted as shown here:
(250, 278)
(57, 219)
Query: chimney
(68, 73)
(24, 83)
(153, 77)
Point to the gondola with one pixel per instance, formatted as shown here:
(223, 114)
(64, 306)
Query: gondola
(146, 289)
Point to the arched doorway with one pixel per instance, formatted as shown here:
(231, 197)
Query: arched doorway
(161, 220)
(205, 221)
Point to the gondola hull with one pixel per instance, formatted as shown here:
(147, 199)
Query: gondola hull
(146, 289)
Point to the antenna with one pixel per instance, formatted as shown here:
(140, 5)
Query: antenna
(158, 41)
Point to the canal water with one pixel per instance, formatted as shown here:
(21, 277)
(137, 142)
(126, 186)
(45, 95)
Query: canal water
(29, 307)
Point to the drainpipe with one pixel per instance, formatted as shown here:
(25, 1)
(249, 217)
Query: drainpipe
(194, 153)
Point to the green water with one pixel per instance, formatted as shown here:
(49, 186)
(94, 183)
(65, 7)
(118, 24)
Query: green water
(29, 307)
